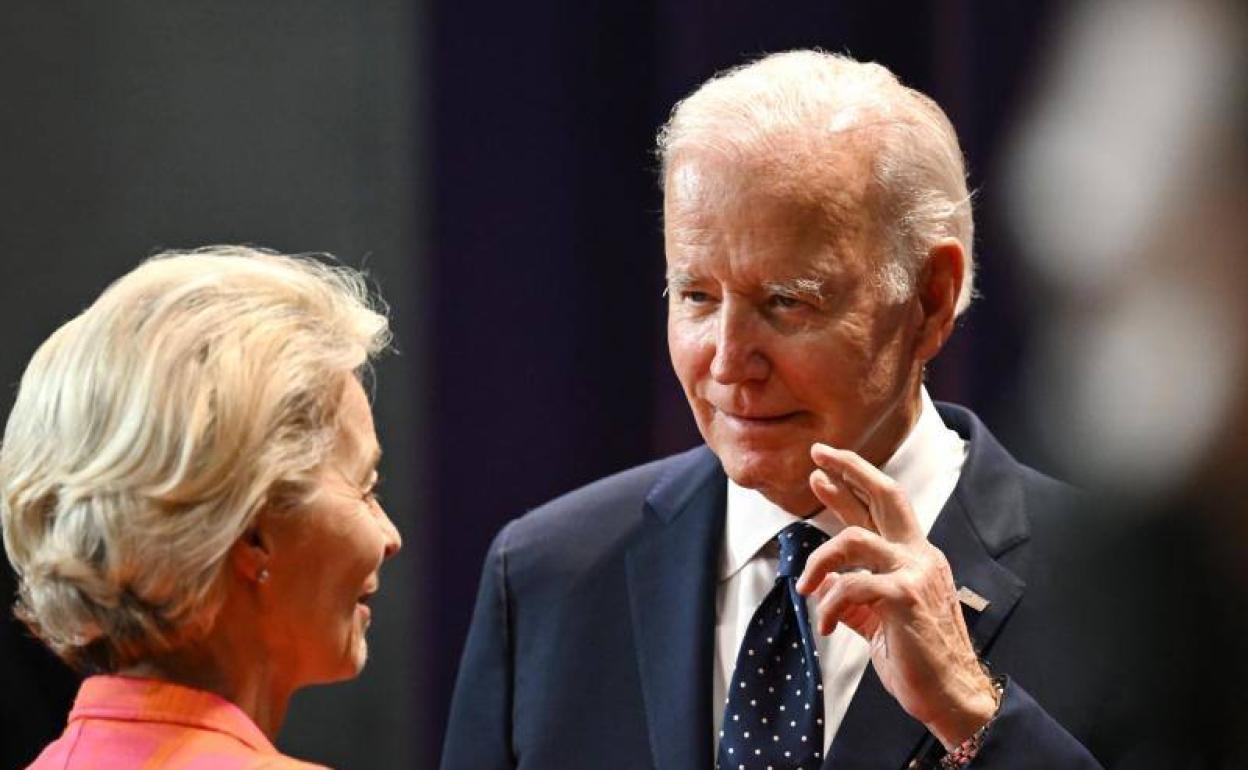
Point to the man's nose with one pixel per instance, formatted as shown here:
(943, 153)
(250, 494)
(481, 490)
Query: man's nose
(738, 353)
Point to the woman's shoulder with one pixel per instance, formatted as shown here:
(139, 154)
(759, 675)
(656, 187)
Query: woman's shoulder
(70, 751)
(283, 762)
(125, 722)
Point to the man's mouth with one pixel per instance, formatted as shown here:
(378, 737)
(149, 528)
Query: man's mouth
(757, 419)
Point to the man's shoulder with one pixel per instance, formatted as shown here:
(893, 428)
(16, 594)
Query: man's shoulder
(987, 455)
(1046, 487)
(609, 503)
(631, 484)
(1007, 501)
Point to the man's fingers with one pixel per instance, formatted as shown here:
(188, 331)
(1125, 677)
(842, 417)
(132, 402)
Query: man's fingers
(890, 511)
(838, 499)
(859, 599)
(853, 548)
(861, 620)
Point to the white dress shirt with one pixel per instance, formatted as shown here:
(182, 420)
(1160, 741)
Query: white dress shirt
(926, 465)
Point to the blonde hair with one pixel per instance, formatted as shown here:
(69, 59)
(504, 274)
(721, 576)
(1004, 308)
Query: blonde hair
(150, 430)
(791, 107)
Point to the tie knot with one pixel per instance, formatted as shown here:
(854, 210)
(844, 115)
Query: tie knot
(797, 541)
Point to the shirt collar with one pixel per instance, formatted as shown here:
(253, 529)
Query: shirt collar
(151, 700)
(928, 451)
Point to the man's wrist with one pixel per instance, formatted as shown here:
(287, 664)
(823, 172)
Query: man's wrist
(975, 711)
(961, 755)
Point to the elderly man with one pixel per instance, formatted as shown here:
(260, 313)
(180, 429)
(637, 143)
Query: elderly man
(818, 235)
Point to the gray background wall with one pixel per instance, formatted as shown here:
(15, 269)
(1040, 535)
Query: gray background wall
(127, 126)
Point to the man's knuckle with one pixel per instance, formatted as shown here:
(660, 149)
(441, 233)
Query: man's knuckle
(909, 588)
(854, 536)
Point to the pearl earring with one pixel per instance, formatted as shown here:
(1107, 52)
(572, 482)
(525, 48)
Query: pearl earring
(263, 575)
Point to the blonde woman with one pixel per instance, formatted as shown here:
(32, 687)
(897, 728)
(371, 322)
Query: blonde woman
(187, 492)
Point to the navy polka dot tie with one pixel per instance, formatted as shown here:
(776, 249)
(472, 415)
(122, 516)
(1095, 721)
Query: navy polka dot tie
(773, 717)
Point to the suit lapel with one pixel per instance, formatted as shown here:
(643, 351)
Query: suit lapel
(671, 582)
(983, 519)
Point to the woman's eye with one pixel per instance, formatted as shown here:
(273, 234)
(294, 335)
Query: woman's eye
(371, 495)
(696, 297)
(784, 301)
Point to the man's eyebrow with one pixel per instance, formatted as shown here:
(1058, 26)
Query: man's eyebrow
(678, 282)
(797, 287)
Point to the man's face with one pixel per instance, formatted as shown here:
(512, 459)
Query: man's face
(777, 327)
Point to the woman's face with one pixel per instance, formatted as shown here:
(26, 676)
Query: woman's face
(325, 557)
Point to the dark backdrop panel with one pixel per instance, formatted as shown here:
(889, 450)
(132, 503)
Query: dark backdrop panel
(129, 126)
(548, 265)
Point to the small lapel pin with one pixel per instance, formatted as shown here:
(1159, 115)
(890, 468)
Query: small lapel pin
(972, 599)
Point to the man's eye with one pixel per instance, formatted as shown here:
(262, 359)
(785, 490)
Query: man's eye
(697, 297)
(784, 301)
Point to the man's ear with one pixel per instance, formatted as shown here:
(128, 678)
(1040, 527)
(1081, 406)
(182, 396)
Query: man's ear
(251, 554)
(940, 285)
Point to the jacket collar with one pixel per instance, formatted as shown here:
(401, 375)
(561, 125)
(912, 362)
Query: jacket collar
(132, 699)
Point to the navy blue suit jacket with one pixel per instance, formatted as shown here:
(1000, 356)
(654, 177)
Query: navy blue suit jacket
(592, 639)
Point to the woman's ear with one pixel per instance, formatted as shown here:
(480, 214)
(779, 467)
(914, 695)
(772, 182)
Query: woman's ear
(251, 554)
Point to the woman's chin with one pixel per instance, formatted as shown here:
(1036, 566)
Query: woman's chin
(350, 660)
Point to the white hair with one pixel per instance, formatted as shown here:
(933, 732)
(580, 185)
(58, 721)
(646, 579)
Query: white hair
(150, 430)
(794, 109)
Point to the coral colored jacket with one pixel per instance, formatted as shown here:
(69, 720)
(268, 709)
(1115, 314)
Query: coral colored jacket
(121, 723)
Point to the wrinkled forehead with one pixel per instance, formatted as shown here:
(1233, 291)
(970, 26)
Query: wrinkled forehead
(833, 178)
(830, 197)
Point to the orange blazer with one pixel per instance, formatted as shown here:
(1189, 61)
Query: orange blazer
(122, 723)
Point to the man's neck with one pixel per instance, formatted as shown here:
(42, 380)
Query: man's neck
(883, 439)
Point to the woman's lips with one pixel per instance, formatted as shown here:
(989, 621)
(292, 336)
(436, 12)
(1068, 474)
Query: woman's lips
(361, 605)
(363, 599)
